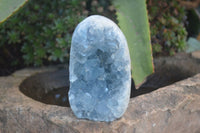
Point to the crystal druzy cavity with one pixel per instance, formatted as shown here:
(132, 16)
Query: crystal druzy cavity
(100, 77)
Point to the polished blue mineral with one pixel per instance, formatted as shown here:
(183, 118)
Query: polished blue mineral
(100, 76)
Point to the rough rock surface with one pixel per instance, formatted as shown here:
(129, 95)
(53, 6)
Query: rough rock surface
(48, 87)
(196, 54)
(172, 69)
(100, 74)
(172, 109)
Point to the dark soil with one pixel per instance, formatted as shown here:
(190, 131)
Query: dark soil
(8, 70)
(10, 59)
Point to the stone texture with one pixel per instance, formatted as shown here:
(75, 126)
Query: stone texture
(48, 87)
(171, 69)
(172, 109)
(100, 74)
(196, 54)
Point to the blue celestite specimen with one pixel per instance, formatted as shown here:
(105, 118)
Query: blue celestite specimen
(100, 76)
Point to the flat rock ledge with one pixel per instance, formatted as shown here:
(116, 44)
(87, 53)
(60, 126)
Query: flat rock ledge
(171, 109)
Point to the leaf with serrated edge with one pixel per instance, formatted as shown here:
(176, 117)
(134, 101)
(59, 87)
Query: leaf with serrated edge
(9, 7)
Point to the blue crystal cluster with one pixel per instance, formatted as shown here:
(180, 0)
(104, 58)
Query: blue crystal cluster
(100, 77)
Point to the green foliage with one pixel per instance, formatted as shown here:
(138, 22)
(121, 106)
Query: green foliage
(43, 29)
(132, 17)
(193, 26)
(8, 7)
(167, 19)
(102, 7)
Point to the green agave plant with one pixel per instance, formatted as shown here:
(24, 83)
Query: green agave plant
(9, 7)
(133, 21)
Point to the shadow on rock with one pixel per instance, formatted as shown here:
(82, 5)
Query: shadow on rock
(53, 87)
(168, 70)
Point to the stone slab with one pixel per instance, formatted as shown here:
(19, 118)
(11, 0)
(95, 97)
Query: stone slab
(171, 109)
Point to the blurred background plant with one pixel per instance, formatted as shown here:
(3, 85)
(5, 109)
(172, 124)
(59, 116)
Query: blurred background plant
(167, 25)
(40, 33)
